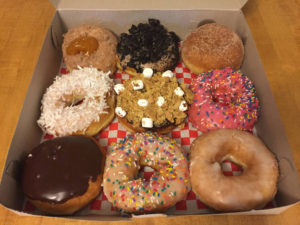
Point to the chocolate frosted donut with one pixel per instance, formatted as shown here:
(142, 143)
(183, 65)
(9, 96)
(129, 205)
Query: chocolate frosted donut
(90, 45)
(62, 175)
(147, 45)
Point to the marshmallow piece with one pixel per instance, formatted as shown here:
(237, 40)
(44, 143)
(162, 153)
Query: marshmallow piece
(142, 102)
(120, 112)
(147, 122)
(183, 106)
(168, 73)
(118, 88)
(178, 91)
(137, 84)
(148, 72)
(160, 101)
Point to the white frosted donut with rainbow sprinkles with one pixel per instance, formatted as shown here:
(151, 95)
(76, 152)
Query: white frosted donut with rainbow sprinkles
(169, 183)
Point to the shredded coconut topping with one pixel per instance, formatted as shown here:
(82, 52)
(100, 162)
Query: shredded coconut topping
(61, 115)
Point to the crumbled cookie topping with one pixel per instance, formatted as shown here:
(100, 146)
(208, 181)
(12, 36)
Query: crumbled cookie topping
(164, 106)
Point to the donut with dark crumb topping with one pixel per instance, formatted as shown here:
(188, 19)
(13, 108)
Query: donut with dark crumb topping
(147, 45)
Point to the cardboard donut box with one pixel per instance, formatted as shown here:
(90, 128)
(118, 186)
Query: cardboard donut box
(178, 16)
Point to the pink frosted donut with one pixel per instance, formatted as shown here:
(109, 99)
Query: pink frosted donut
(223, 98)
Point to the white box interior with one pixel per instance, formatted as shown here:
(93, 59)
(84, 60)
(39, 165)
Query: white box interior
(28, 134)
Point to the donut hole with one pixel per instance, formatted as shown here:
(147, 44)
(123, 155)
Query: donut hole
(230, 168)
(74, 103)
(146, 173)
(72, 100)
(78, 102)
(223, 96)
(229, 157)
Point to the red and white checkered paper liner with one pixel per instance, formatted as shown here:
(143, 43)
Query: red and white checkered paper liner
(184, 137)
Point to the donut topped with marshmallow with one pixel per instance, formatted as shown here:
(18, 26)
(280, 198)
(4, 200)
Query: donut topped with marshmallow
(152, 101)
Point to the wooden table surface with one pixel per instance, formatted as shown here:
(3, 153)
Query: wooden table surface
(275, 26)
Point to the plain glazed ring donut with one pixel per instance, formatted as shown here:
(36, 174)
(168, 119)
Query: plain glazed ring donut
(168, 185)
(253, 189)
(223, 98)
(212, 46)
(81, 102)
(90, 45)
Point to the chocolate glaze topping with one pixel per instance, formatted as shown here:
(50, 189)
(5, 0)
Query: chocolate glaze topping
(60, 169)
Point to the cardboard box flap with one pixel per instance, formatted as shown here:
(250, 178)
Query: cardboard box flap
(150, 5)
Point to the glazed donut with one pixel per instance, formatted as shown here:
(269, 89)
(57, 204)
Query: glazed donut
(168, 185)
(63, 115)
(152, 102)
(90, 45)
(255, 187)
(63, 174)
(212, 46)
(148, 45)
(223, 98)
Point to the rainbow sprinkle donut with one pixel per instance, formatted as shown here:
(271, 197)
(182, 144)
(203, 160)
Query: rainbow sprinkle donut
(223, 98)
(169, 183)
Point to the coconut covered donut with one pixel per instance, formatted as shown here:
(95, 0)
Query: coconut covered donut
(223, 98)
(253, 189)
(152, 102)
(212, 46)
(90, 45)
(64, 174)
(147, 45)
(168, 185)
(81, 102)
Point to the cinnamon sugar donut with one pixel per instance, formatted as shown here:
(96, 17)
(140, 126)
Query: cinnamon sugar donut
(81, 102)
(63, 174)
(212, 46)
(253, 189)
(90, 45)
(147, 45)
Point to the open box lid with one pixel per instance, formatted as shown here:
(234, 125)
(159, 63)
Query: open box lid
(149, 5)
